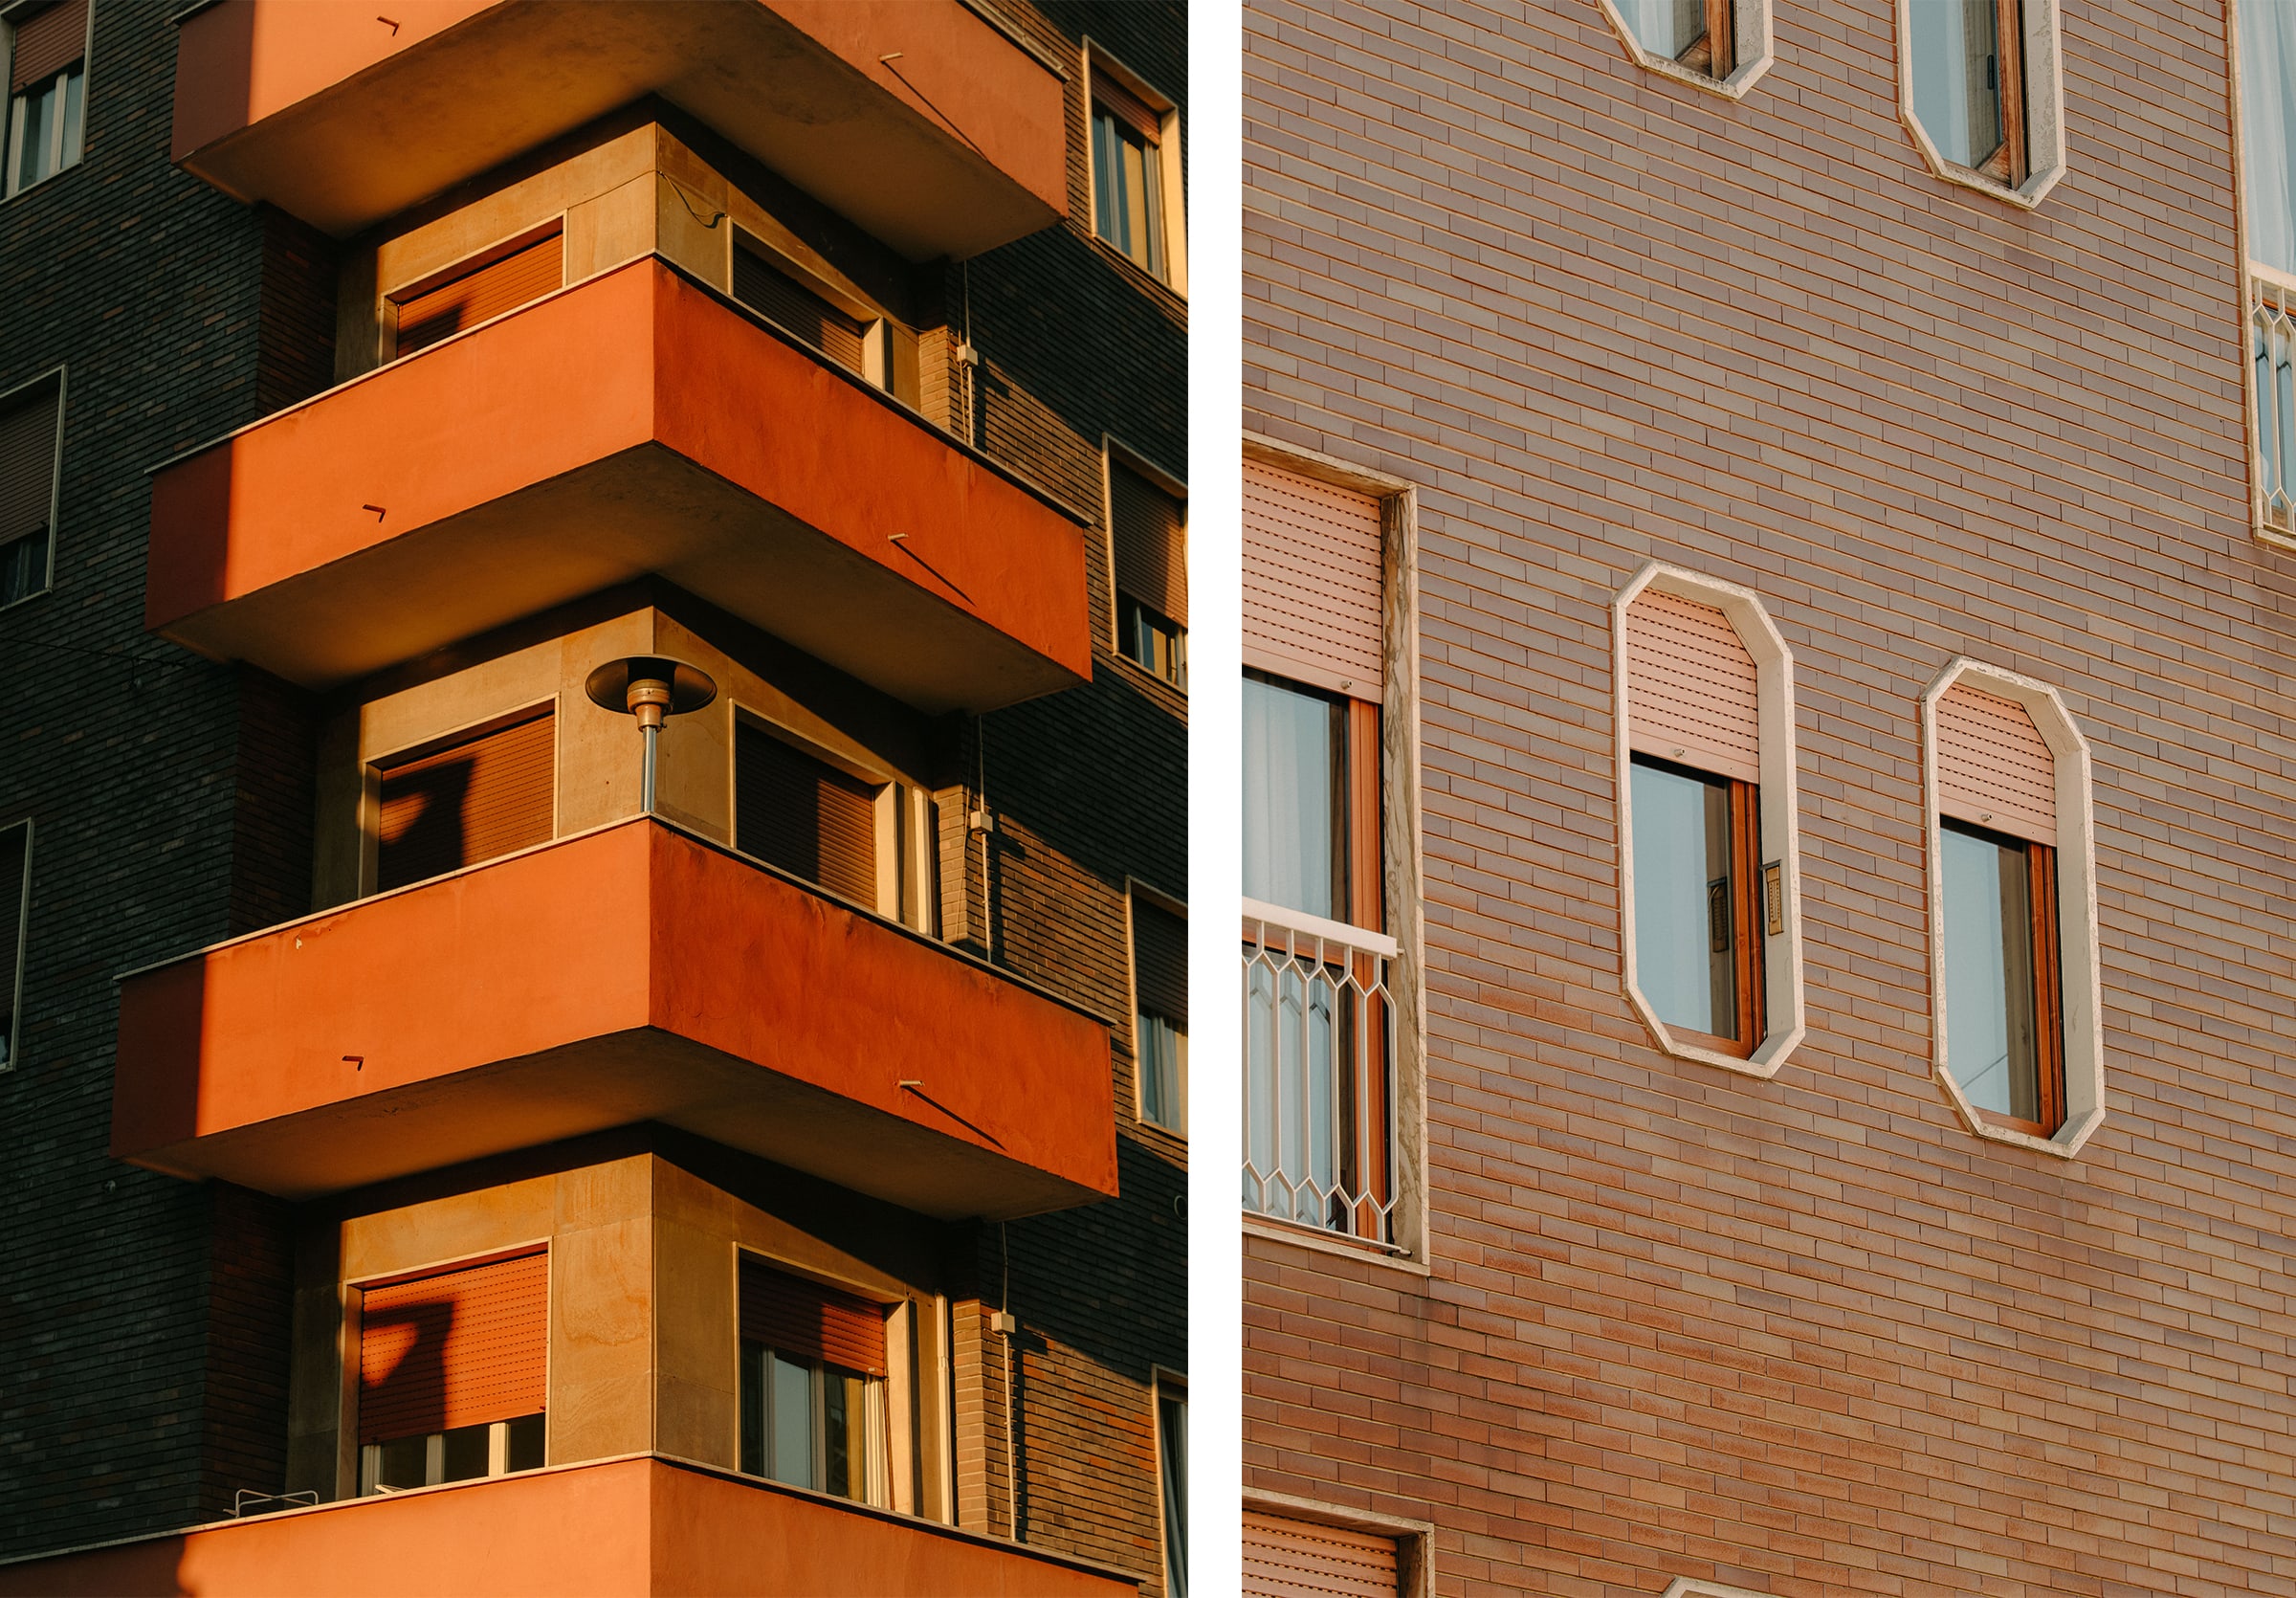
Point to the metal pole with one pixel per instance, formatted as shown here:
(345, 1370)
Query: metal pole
(653, 735)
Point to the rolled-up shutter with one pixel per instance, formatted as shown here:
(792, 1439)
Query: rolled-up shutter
(1994, 767)
(1149, 529)
(1298, 1559)
(805, 815)
(1160, 962)
(47, 43)
(1127, 107)
(460, 1348)
(1312, 585)
(1690, 687)
(28, 464)
(480, 799)
(806, 1321)
(771, 292)
(486, 286)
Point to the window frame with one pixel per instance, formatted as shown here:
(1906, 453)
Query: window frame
(907, 850)
(374, 765)
(61, 377)
(1136, 892)
(1781, 999)
(899, 1392)
(1170, 201)
(12, 130)
(1747, 998)
(16, 1014)
(2080, 1067)
(1116, 453)
(2044, 977)
(1752, 49)
(2038, 94)
(1163, 1382)
(2268, 294)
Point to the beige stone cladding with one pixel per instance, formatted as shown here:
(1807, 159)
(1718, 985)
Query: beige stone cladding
(1808, 1336)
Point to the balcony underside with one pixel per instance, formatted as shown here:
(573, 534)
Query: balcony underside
(333, 113)
(633, 974)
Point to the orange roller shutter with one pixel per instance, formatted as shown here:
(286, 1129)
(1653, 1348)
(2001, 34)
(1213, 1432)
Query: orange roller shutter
(1298, 1559)
(27, 465)
(804, 816)
(1149, 531)
(460, 1348)
(772, 293)
(1994, 768)
(1690, 687)
(48, 43)
(480, 799)
(1127, 107)
(806, 1321)
(1160, 963)
(485, 287)
(1311, 585)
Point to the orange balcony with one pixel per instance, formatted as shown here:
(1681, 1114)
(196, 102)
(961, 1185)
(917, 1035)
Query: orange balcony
(635, 423)
(630, 974)
(611, 1529)
(916, 119)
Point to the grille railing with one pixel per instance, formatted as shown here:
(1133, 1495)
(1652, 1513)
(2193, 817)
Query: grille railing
(1319, 1140)
(2272, 328)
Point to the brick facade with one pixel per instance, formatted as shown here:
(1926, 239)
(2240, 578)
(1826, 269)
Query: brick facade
(1806, 1335)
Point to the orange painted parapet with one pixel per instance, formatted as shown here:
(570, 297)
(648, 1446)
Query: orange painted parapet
(634, 424)
(617, 1529)
(630, 974)
(918, 119)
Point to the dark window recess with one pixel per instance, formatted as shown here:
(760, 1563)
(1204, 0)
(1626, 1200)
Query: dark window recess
(483, 798)
(1159, 958)
(14, 846)
(485, 286)
(805, 815)
(796, 309)
(27, 427)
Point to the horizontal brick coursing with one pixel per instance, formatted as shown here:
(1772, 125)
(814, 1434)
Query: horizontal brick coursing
(1806, 1335)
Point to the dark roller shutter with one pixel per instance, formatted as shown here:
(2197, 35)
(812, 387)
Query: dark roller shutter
(809, 1321)
(491, 284)
(26, 464)
(1160, 963)
(48, 43)
(1127, 107)
(480, 799)
(1151, 539)
(461, 1348)
(772, 293)
(804, 816)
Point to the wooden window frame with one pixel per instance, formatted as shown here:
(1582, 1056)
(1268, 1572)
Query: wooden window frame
(2048, 999)
(1747, 923)
(2012, 163)
(1715, 53)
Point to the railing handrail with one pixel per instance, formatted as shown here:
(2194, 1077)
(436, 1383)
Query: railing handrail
(1360, 938)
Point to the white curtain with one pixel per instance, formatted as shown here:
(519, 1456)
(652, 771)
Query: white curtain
(1288, 799)
(2267, 122)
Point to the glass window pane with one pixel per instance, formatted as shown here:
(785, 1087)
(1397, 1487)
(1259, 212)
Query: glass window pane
(30, 158)
(792, 1423)
(1665, 27)
(1956, 94)
(74, 87)
(1163, 1050)
(1108, 182)
(463, 1454)
(1172, 1412)
(400, 1464)
(1989, 973)
(2267, 66)
(1685, 957)
(1292, 797)
(525, 1446)
(841, 1413)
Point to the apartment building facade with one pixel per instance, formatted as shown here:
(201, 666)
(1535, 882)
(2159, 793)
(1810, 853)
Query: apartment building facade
(1766, 884)
(595, 985)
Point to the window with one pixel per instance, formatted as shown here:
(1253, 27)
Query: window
(764, 287)
(805, 815)
(487, 285)
(2013, 912)
(1148, 538)
(479, 797)
(30, 441)
(451, 1374)
(1286, 1558)
(1706, 849)
(2268, 108)
(47, 92)
(15, 911)
(1978, 84)
(812, 1372)
(1172, 1458)
(1136, 172)
(1160, 982)
(1699, 34)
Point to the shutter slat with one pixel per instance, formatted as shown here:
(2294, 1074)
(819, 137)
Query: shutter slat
(486, 291)
(1312, 585)
(1994, 767)
(806, 1321)
(1296, 1559)
(48, 43)
(1691, 691)
(772, 293)
(461, 1348)
(474, 801)
(1148, 528)
(1159, 960)
(804, 816)
(1127, 107)
(27, 465)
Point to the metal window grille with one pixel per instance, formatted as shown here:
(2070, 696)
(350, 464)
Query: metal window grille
(1319, 1140)
(2272, 324)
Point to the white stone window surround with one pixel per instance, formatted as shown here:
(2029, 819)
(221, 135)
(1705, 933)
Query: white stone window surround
(1753, 46)
(2080, 976)
(1781, 812)
(2045, 107)
(1685, 1586)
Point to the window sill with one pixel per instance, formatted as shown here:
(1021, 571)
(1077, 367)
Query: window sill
(1134, 268)
(1165, 683)
(37, 184)
(1317, 1242)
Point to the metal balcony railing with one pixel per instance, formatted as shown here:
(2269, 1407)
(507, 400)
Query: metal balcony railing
(2272, 326)
(1319, 1140)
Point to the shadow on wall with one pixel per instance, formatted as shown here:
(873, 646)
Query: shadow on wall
(423, 829)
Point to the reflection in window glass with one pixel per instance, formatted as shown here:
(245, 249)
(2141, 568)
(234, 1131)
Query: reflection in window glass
(1163, 1067)
(1127, 204)
(1990, 1035)
(1956, 76)
(1665, 27)
(1684, 953)
(792, 1423)
(2267, 65)
(1291, 796)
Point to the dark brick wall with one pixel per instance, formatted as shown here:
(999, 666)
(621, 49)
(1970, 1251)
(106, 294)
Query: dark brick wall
(122, 750)
(1806, 1335)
